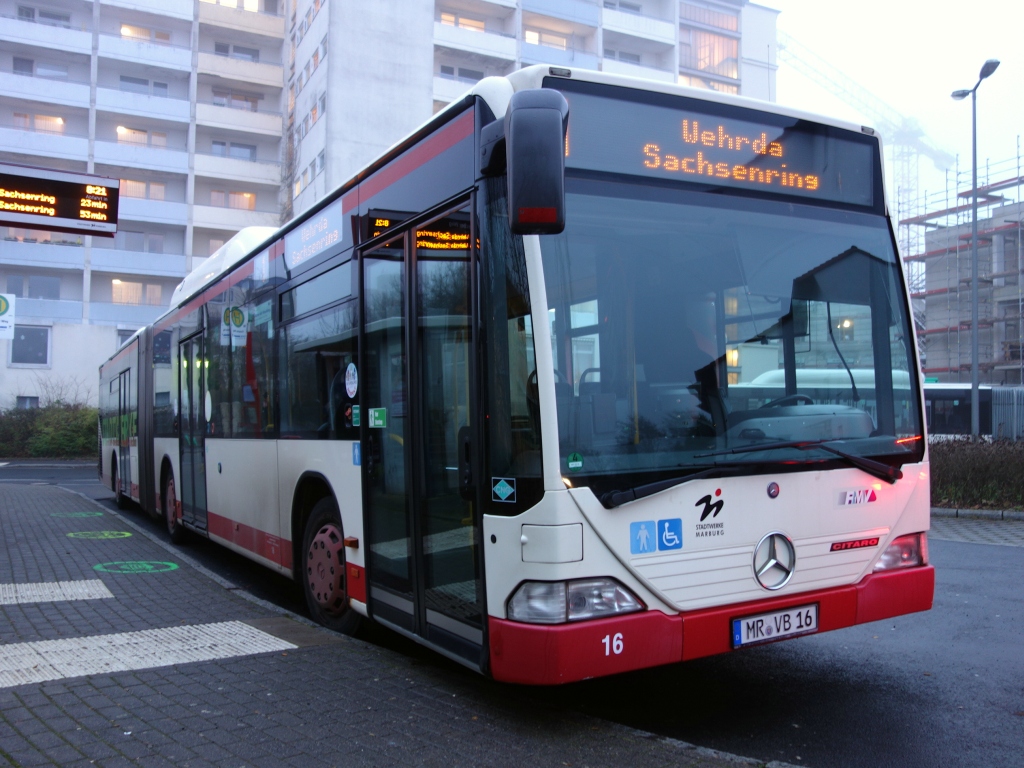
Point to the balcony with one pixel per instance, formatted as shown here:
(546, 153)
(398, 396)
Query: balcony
(139, 156)
(159, 211)
(138, 263)
(637, 70)
(146, 53)
(232, 119)
(643, 27)
(271, 75)
(448, 89)
(141, 104)
(235, 169)
(57, 256)
(579, 11)
(107, 312)
(66, 92)
(17, 140)
(49, 309)
(570, 57)
(181, 9)
(245, 21)
(215, 217)
(489, 44)
(13, 30)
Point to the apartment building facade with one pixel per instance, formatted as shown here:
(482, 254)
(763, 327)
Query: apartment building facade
(181, 100)
(362, 75)
(220, 114)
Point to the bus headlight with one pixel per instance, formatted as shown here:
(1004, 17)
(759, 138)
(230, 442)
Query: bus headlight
(547, 602)
(904, 552)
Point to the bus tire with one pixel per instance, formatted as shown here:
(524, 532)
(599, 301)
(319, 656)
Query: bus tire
(169, 496)
(322, 570)
(119, 498)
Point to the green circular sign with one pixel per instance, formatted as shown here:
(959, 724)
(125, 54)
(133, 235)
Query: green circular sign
(575, 462)
(76, 514)
(4, 305)
(135, 566)
(99, 535)
(237, 318)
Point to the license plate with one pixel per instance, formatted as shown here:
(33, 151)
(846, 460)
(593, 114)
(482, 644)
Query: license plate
(766, 627)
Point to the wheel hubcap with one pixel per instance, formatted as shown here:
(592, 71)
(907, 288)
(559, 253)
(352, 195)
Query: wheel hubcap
(325, 569)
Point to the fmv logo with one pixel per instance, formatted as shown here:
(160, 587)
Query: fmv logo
(860, 496)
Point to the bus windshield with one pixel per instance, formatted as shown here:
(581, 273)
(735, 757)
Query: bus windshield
(683, 324)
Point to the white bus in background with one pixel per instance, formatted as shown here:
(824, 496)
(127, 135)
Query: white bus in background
(490, 392)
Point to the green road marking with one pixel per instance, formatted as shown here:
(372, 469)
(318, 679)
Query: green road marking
(99, 535)
(76, 514)
(135, 566)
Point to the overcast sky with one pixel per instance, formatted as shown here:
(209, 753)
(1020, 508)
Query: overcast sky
(913, 54)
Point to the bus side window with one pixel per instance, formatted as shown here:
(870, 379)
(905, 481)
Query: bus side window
(316, 378)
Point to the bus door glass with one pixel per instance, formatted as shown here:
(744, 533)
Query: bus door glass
(443, 387)
(384, 458)
(424, 564)
(124, 432)
(192, 382)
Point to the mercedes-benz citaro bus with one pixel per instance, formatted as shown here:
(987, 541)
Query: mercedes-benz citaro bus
(588, 374)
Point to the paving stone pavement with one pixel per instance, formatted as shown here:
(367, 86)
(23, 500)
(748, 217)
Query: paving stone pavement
(978, 530)
(333, 700)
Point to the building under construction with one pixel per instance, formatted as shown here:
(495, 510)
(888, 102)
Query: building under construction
(936, 237)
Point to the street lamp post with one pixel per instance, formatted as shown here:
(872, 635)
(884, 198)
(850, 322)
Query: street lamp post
(987, 69)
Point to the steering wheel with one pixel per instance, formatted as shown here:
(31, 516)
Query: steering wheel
(789, 400)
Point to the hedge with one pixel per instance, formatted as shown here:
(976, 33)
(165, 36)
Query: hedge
(977, 474)
(54, 431)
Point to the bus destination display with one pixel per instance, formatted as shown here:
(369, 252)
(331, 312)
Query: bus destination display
(59, 201)
(697, 145)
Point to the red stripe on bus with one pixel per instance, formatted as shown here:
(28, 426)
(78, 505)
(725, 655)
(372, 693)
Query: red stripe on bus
(264, 544)
(548, 655)
(419, 155)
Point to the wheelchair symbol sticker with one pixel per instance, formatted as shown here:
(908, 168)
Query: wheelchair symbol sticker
(670, 534)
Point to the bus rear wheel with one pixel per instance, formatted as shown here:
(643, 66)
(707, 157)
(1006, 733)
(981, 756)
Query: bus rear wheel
(170, 496)
(323, 570)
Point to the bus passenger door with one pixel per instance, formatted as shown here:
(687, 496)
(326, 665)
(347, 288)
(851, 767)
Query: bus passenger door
(124, 415)
(192, 430)
(418, 379)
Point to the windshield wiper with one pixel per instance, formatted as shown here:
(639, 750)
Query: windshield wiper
(883, 471)
(612, 499)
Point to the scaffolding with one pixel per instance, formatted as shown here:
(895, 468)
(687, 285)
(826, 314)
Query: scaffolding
(938, 227)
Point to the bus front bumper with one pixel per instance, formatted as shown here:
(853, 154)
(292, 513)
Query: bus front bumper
(553, 654)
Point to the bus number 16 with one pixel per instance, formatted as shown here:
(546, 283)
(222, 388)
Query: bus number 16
(612, 644)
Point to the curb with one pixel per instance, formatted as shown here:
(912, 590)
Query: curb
(979, 514)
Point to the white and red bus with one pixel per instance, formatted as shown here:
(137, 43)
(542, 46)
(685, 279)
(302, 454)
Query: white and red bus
(588, 374)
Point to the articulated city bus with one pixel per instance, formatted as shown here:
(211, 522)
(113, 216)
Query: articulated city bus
(588, 374)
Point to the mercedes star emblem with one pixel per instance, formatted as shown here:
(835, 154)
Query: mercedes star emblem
(774, 561)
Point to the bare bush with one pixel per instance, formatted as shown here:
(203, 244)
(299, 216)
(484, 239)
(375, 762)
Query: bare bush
(977, 474)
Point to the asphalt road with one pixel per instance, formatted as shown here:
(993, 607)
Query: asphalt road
(944, 688)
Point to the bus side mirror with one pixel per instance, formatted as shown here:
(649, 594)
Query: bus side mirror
(535, 126)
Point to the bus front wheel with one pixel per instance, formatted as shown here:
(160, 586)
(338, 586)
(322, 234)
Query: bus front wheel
(170, 496)
(323, 570)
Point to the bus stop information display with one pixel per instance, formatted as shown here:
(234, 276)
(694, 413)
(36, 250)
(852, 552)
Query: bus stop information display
(58, 201)
(698, 144)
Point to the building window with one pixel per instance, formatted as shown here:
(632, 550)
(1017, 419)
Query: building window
(236, 100)
(709, 84)
(709, 52)
(462, 74)
(214, 245)
(44, 16)
(632, 58)
(712, 17)
(125, 292)
(39, 123)
(24, 66)
(151, 190)
(139, 242)
(134, 32)
(547, 39)
(462, 22)
(25, 402)
(252, 6)
(52, 71)
(244, 201)
(237, 52)
(31, 346)
(320, 162)
(43, 287)
(235, 150)
(845, 329)
(134, 84)
(123, 336)
(623, 5)
(143, 138)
